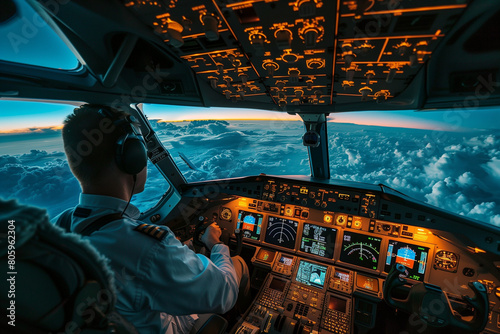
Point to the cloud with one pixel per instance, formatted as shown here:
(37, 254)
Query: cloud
(8, 159)
(50, 185)
(454, 171)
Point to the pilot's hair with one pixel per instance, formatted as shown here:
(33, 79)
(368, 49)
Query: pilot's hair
(89, 141)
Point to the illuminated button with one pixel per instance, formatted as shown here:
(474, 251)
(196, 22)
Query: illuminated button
(327, 218)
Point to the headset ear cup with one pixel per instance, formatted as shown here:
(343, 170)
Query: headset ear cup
(132, 155)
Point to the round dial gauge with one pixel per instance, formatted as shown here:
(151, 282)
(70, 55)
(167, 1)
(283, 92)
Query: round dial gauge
(226, 214)
(445, 260)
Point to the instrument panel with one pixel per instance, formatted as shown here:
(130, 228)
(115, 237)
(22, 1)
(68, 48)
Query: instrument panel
(363, 245)
(344, 249)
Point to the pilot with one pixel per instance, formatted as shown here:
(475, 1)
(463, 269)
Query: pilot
(162, 284)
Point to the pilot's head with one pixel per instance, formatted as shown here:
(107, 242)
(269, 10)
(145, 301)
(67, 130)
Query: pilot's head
(104, 147)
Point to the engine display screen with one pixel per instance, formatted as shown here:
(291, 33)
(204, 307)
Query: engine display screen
(413, 257)
(250, 224)
(281, 232)
(311, 274)
(318, 240)
(368, 283)
(360, 249)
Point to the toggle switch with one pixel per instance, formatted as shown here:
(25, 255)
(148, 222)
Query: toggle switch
(283, 39)
(243, 77)
(364, 93)
(307, 8)
(294, 75)
(310, 37)
(213, 82)
(211, 26)
(270, 67)
(391, 74)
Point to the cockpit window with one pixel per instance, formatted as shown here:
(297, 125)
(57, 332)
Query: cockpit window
(33, 167)
(26, 38)
(214, 143)
(449, 159)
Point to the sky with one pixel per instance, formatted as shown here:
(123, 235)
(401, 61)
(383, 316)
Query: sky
(21, 116)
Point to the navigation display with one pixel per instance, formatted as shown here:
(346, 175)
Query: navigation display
(281, 232)
(318, 240)
(360, 249)
(311, 274)
(250, 224)
(413, 257)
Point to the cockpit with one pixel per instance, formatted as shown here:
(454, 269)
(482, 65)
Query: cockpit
(326, 255)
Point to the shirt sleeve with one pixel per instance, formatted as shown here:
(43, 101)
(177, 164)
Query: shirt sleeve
(179, 282)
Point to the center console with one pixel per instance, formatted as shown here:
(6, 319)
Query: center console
(301, 296)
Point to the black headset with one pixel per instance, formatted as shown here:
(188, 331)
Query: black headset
(131, 153)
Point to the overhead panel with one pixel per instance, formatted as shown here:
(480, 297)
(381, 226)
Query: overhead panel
(303, 52)
(383, 44)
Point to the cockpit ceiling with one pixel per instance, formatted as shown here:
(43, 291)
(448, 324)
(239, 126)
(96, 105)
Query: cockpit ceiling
(287, 53)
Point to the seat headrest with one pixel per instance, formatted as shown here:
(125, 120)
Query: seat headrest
(59, 281)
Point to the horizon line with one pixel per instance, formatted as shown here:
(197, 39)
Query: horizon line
(29, 130)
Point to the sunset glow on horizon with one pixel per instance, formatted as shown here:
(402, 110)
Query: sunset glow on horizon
(30, 116)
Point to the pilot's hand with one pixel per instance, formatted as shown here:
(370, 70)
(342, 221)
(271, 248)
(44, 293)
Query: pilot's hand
(211, 236)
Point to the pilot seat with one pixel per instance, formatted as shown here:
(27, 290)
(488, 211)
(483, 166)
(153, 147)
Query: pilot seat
(57, 282)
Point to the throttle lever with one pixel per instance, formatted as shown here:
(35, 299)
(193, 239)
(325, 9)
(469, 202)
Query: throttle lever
(200, 228)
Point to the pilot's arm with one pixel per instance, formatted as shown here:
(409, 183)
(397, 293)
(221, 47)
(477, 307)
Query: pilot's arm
(180, 282)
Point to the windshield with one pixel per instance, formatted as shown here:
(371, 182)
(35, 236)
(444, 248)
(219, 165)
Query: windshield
(448, 159)
(33, 167)
(215, 145)
(452, 165)
(438, 157)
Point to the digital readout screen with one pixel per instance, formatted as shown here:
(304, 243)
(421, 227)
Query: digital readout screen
(318, 240)
(250, 224)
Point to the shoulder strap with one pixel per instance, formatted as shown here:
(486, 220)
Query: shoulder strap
(64, 219)
(98, 223)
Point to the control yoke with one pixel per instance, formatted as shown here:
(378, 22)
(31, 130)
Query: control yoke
(432, 305)
(202, 225)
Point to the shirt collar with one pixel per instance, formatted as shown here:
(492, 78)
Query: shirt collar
(109, 203)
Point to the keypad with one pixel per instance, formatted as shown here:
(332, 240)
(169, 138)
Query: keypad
(272, 298)
(336, 322)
